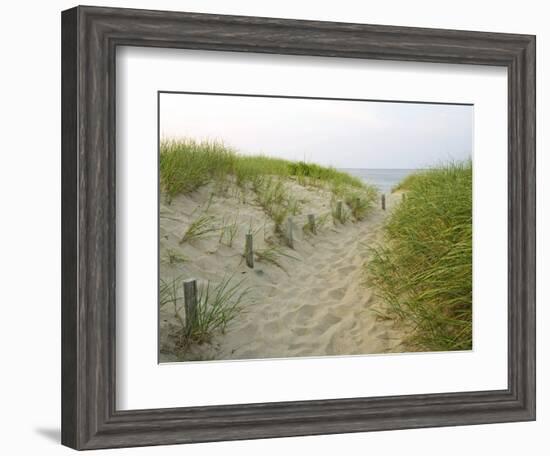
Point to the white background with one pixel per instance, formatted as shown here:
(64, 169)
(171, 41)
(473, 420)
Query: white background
(30, 241)
(143, 384)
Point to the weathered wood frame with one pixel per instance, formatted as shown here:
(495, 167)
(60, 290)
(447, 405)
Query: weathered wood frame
(90, 36)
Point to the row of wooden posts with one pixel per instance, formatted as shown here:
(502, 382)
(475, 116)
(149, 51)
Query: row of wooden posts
(289, 237)
(249, 241)
(190, 285)
(383, 200)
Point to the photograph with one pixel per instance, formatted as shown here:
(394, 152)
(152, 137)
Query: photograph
(296, 226)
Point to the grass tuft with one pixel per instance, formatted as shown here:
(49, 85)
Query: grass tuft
(168, 293)
(228, 231)
(174, 257)
(273, 255)
(359, 203)
(339, 211)
(316, 175)
(185, 165)
(273, 198)
(217, 306)
(199, 228)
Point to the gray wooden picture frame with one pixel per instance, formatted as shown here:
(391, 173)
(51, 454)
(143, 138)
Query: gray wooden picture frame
(90, 36)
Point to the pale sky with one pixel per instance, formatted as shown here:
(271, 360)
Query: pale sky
(343, 134)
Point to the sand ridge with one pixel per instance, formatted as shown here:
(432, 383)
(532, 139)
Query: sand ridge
(317, 305)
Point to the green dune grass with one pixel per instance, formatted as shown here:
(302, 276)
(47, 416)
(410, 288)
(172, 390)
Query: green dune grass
(186, 165)
(424, 270)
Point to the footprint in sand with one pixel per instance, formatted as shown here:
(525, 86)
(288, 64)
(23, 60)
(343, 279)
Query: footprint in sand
(337, 293)
(271, 291)
(367, 302)
(302, 331)
(304, 277)
(249, 331)
(345, 270)
(273, 326)
(313, 293)
(326, 322)
(297, 347)
(301, 315)
(333, 344)
(305, 314)
(247, 354)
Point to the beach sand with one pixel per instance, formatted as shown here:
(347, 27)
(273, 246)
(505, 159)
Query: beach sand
(317, 305)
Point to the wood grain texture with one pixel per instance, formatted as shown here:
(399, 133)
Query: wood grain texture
(89, 39)
(69, 228)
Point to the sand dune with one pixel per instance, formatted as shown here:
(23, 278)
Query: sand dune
(315, 304)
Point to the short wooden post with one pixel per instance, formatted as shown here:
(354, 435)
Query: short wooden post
(249, 251)
(339, 210)
(190, 299)
(289, 234)
(403, 197)
(383, 199)
(311, 223)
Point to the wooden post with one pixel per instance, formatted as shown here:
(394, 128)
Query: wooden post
(190, 299)
(289, 234)
(383, 202)
(339, 210)
(403, 197)
(311, 223)
(249, 251)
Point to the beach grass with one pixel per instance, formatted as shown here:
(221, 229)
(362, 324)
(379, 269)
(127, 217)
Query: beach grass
(174, 257)
(313, 174)
(168, 293)
(199, 228)
(228, 231)
(186, 164)
(359, 203)
(273, 255)
(424, 270)
(217, 306)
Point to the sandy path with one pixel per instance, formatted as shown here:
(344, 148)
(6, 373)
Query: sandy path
(319, 306)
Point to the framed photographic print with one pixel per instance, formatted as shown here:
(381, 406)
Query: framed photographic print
(279, 227)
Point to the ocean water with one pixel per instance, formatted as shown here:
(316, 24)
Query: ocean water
(383, 179)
